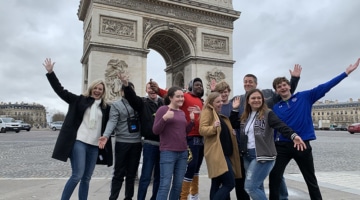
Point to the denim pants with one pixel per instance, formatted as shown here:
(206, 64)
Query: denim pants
(256, 173)
(304, 159)
(127, 157)
(172, 167)
(222, 185)
(150, 165)
(83, 160)
(196, 144)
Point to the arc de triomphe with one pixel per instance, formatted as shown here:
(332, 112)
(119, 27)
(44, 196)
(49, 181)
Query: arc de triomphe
(193, 36)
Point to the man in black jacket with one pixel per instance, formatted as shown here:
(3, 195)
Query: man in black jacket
(146, 107)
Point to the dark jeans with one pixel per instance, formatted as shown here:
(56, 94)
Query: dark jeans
(304, 160)
(222, 185)
(240, 184)
(127, 156)
(151, 163)
(196, 144)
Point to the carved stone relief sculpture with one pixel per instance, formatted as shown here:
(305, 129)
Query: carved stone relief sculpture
(216, 44)
(216, 75)
(113, 83)
(116, 27)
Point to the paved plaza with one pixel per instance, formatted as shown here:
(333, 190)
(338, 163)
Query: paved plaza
(28, 172)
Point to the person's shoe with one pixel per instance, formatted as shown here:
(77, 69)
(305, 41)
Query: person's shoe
(194, 197)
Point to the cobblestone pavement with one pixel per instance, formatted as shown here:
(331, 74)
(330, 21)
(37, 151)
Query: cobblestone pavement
(27, 155)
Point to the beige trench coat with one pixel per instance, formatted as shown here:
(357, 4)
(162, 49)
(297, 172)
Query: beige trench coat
(214, 155)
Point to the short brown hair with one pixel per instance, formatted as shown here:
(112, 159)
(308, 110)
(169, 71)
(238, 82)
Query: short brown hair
(279, 80)
(221, 86)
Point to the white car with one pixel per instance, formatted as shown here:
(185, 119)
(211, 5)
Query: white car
(56, 125)
(9, 124)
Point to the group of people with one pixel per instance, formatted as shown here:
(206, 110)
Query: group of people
(243, 139)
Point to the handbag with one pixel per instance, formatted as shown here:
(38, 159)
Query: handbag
(243, 144)
(132, 122)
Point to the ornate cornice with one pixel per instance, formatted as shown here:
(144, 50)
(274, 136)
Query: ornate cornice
(100, 47)
(193, 11)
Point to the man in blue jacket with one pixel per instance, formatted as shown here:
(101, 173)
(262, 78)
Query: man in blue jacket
(295, 111)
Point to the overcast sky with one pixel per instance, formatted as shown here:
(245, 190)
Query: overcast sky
(269, 38)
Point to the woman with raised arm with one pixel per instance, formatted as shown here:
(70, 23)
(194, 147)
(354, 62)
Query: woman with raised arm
(84, 123)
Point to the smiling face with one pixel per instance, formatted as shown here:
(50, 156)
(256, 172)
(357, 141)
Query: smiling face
(197, 89)
(217, 104)
(177, 100)
(152, 95)
(225, 95)
(255, 100)
(283, 89)
(97, 91)
(250, 83)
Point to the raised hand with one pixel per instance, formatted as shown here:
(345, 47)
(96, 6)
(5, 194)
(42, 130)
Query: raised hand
(296, 71)
(169, 114)
(48, 65)
(154, 86)
(236, 102)
(212, 84)
(351, 68)
(124, 78)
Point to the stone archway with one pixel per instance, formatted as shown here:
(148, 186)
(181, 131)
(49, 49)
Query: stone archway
(193, 37)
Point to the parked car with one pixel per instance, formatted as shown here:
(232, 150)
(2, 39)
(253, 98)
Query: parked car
(24, 126)
(354, 128)
(341, 128)
(9, 124)
(56, 125)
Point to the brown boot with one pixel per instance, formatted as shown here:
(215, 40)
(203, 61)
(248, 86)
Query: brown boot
(194, 188)
(185, 190)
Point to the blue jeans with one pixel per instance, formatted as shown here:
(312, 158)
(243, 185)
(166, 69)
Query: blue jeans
(256, 172)
(283, 193)
(151, 162)
(196, 144)
(222, 185)
(172, 167)
(127, 156)
(83, 160)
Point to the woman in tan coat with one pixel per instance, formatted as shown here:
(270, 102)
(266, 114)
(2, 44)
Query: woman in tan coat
(220, 148)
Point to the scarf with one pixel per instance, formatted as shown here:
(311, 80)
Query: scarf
(93, 114)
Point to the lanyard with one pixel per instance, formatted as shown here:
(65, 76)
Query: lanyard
(252, 121)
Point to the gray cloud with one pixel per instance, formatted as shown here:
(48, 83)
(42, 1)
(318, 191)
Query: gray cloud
(269, 38)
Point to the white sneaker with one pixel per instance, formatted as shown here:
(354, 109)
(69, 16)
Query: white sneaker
(194, 197)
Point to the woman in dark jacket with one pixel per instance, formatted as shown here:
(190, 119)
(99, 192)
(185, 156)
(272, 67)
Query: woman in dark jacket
(84, 123)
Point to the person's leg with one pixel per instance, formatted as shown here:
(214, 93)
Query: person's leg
(215, 185)
(91, 157)
(156, 181)
(240, 183)
(283, 192)
(167, 162)
(179, 173)
(194, 187)
(151, 155)
(304, 160)
(132, 159)
(255, 176)
(77, 161)
(227, 182)
(284, 155)
(121, 150)
(190, 170)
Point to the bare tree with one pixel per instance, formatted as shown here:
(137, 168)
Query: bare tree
(58, 117)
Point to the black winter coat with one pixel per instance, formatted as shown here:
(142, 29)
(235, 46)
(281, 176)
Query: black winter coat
(67, 135)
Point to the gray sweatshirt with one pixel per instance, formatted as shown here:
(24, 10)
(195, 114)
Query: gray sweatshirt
(120, 111)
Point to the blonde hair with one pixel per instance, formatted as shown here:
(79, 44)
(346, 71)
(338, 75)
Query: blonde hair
(93, 84)
(210, 99)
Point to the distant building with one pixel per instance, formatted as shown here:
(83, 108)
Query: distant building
(339, 113)
(34, 114)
